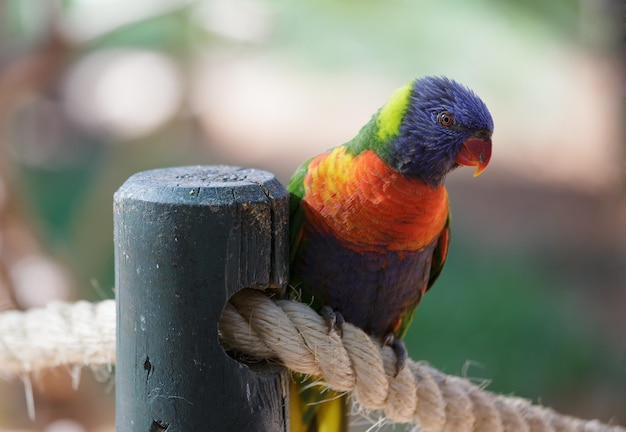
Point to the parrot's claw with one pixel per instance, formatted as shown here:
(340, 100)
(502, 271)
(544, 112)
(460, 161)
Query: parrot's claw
(334, 320)
(399, 350)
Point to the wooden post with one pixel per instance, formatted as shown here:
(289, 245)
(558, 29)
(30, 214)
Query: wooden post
(186, 239)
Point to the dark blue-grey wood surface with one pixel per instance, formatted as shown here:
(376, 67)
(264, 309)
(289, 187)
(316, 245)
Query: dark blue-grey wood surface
(186, 239)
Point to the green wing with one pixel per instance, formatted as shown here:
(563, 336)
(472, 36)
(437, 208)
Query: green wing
(296, 214)
(440, 253)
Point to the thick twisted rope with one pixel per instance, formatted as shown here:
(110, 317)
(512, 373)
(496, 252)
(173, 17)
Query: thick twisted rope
(420, 394)
(291, 332)
(73, 334)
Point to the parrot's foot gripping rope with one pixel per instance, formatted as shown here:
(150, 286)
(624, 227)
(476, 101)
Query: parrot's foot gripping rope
(84, 334)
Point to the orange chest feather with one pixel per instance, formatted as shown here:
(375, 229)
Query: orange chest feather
(361, 200)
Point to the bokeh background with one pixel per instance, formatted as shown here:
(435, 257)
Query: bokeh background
(533, 298)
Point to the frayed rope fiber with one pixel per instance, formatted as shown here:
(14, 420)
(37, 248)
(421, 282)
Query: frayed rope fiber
(84, 334)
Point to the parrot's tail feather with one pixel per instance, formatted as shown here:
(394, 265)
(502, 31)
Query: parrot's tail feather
(314, 408)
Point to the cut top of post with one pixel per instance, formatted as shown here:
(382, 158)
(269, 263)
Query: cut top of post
(198, 181)
(253, 197)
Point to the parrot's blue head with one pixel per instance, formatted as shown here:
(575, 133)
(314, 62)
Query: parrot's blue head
(445, 125)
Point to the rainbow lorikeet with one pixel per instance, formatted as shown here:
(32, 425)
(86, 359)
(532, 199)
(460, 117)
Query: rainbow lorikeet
(370, 221)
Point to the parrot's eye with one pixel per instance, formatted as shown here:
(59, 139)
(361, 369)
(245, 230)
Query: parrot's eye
(445, 119)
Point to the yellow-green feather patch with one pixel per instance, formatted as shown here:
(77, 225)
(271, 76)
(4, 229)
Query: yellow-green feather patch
(390, 115)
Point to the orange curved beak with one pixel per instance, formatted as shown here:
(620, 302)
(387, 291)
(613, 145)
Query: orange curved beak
(475, 152)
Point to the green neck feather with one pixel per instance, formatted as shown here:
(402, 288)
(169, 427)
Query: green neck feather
(384, 126)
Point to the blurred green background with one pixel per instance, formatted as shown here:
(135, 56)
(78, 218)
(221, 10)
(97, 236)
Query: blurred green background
(533, 297)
